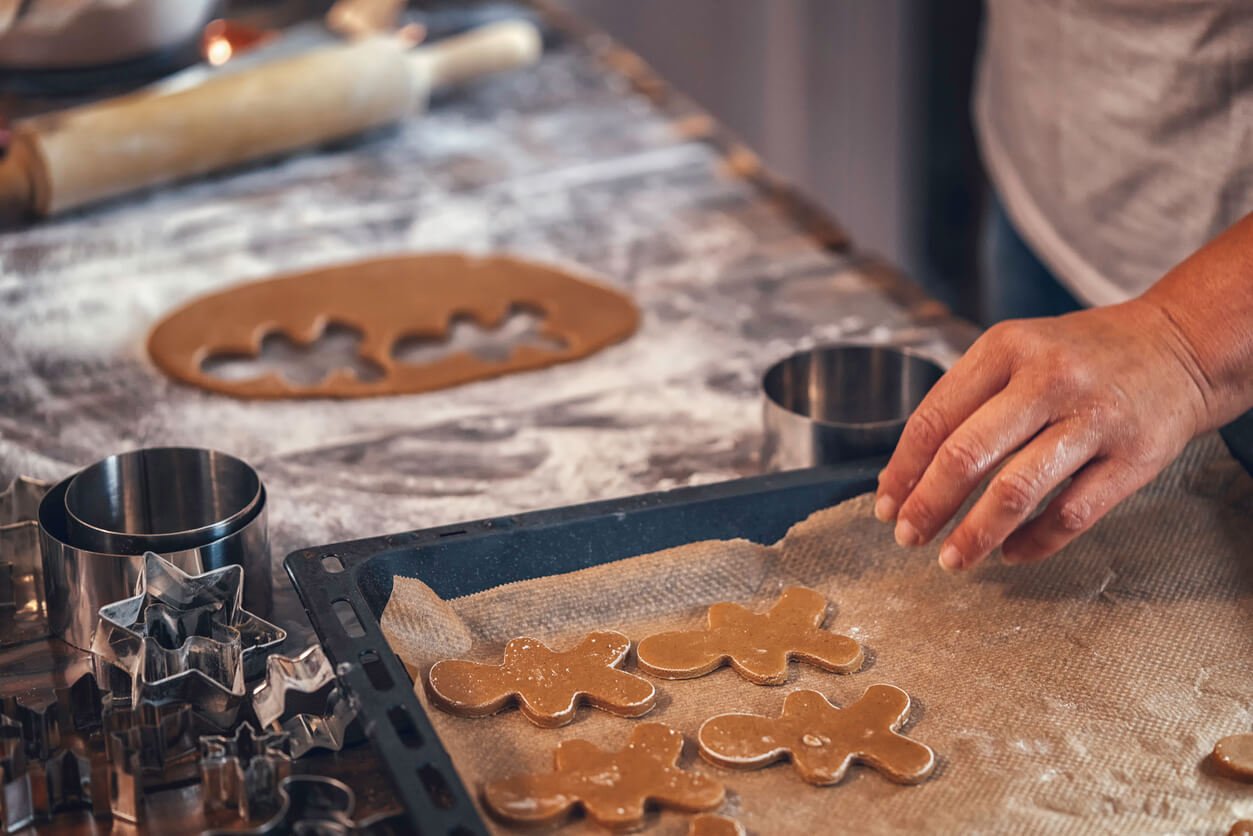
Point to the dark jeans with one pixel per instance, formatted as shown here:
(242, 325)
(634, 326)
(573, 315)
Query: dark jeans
(1016, 284)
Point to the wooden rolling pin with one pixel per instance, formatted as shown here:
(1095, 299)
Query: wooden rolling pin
(63, 160)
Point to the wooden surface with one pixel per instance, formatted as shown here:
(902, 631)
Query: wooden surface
(584, 162)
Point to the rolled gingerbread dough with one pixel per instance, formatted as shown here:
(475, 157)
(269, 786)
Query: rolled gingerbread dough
(387, 300)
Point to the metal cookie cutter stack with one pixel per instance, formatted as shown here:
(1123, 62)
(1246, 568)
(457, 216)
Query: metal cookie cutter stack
(156, 561)
(200, 509)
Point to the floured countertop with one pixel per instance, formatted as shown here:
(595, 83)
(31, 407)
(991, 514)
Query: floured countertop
(568, 163)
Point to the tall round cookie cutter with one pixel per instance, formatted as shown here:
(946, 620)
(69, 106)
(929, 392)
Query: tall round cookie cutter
(840, 402)
(80, 577)
(161, 499)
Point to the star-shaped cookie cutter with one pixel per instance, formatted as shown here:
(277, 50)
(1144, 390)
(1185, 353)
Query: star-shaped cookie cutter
(49, 720)
(244, 771)
(143, 749)
(183, 638)
(17, 808)
(23, 603)
(300, 696)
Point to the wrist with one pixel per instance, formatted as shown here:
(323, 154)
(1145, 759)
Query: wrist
(1214, 346)
(1208, 302)
(1171, 351)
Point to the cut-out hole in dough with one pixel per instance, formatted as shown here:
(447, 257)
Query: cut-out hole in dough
(495, 345)
(335, 348)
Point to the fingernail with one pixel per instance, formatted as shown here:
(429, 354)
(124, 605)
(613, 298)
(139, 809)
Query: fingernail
(885, 508)
(906, 534)
(950, 558)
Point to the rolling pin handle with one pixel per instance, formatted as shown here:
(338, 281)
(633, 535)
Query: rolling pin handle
(492, 48)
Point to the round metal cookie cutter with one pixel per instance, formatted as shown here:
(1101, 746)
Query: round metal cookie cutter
(93, 533)
(162, 499)
(840, 402)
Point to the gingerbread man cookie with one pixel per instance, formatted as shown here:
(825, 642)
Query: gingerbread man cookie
(1244, 827)
(711, 825)
(1233, 756)
(613, 788)
(548, 685)
(757, 645)
(822, 740)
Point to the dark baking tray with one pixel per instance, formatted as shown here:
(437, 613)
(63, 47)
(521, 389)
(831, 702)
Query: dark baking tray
(345, 586)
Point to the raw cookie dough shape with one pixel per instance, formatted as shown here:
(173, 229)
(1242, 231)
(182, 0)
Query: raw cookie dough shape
(385, 300)
(708, 824)
(613, 788)
(757, 645)
(821, 739)
(548, 685)
(1233, 756)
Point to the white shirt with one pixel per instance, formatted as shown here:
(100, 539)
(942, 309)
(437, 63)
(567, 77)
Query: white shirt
(1118, 133)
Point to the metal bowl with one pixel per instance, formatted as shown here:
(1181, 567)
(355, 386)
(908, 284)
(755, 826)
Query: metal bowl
(837, 403)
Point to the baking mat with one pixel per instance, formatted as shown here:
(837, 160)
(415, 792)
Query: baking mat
(1078, 695)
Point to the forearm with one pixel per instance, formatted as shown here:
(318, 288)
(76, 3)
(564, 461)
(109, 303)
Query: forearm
(1208, 301)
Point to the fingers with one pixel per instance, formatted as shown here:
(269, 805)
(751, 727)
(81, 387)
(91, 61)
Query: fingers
(1016, 490)
(974, 379)
(965, 459)
(1096, 489)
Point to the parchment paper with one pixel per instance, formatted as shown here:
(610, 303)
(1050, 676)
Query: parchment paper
(1078, 695)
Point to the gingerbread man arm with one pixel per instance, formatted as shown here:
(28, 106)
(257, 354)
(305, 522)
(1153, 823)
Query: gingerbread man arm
(658, 742)
(884, 701)
(611, 689)
(898, 757)
(829, 651)
(671, 786)
(470, 689)
(689, 793)
(623, 694)
(711, 825)
(473, 689)
(519, 652)
(575, 754)
(529, 799)
(604, 647)
(726, 614)
(679, 654)
(802, 607)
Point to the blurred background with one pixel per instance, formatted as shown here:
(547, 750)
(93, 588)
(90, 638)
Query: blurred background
(864, 106)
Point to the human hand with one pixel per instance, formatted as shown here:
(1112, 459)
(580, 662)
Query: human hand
(1108, 396)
